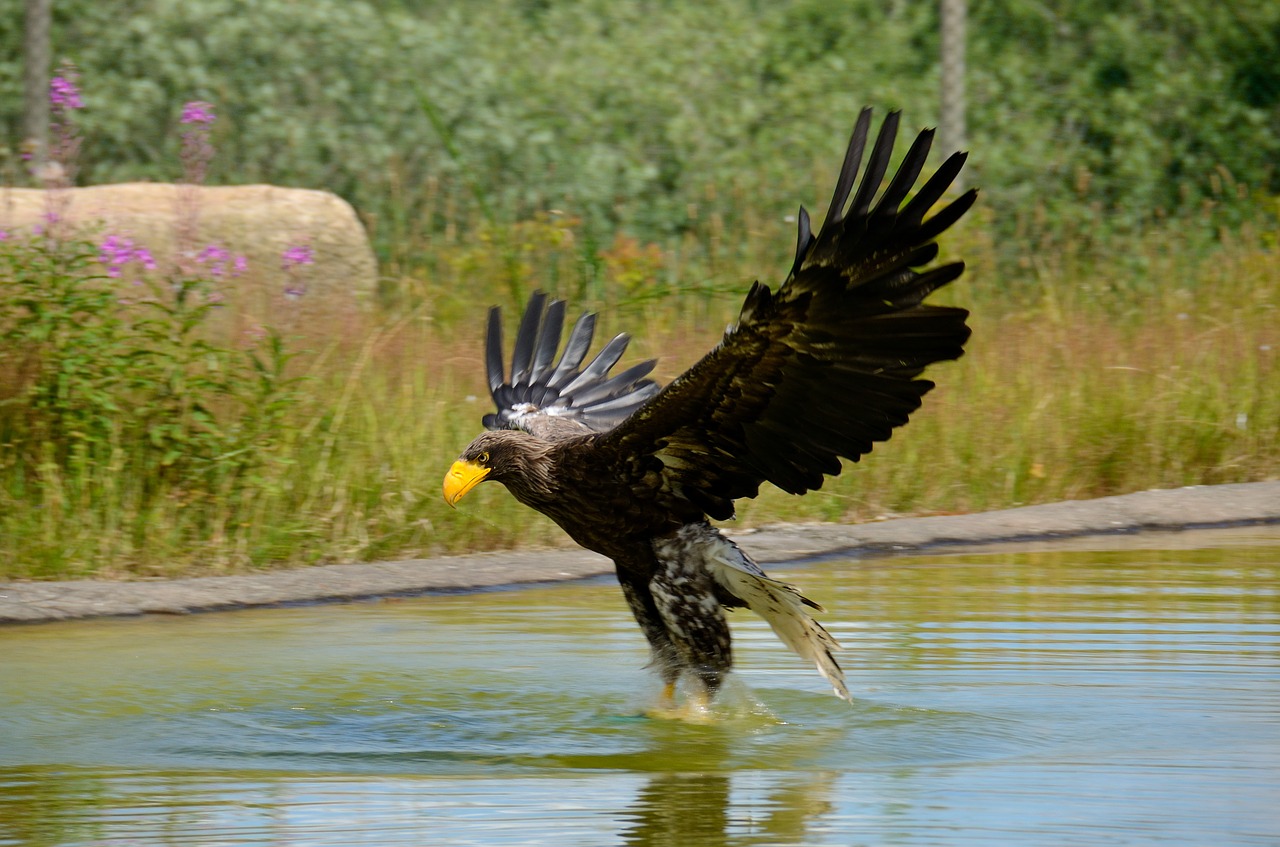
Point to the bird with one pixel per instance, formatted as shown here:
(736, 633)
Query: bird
(814, 372)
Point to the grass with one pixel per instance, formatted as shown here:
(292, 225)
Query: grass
(1083, 379)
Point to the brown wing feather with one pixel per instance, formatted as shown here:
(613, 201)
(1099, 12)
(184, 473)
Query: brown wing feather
(821, 369)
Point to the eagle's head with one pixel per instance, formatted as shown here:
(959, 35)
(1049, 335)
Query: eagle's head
(512, 457)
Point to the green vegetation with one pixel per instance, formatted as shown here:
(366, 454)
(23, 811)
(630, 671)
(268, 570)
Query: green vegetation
(116, 411)
(639, 158)
(656, 117)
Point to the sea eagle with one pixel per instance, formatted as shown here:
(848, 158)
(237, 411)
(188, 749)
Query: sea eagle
(818, 370)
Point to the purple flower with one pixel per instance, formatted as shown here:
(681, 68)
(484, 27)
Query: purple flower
(197, 112)
(216, 257)
(197, 152)
(64, 94)
(109, 252)
(212, 253)
(116, 253)
(297, 255)
(291, 260)
(57, 169)
(4, 236)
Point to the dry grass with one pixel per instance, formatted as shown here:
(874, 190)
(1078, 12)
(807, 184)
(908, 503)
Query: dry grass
(1079, 382)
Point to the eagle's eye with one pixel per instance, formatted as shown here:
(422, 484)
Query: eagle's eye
(484, 457)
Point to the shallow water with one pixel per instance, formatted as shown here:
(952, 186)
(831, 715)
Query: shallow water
(1029, 695)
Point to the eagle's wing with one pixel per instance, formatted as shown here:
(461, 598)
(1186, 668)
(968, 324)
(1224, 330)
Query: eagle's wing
(822, 368)
(562, 399)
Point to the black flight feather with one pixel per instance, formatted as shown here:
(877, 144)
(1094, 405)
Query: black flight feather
(848, 170)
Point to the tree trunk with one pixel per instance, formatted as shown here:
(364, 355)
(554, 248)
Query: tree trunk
(951, 116)
(35, 106)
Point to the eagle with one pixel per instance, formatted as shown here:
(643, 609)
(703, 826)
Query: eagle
(817, 371)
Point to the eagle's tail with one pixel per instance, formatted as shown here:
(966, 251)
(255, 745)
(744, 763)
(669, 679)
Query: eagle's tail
(784, 608)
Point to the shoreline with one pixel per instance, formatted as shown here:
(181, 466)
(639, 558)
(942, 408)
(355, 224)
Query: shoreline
(1196, 507)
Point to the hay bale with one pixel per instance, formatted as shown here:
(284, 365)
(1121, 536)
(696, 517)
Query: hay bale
(259, 222)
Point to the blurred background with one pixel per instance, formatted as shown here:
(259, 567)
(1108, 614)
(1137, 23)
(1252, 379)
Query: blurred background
(647, 159)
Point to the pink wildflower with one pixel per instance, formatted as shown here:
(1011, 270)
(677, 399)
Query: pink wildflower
(64, 94)
(197, 112)
(117, 253)
(216, 258)
(297, 255)
(197, 150)
(57, 168)
(291, 260)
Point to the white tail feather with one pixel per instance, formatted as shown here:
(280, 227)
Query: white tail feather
(782, 607)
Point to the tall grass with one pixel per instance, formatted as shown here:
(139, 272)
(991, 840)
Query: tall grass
(1083, 378)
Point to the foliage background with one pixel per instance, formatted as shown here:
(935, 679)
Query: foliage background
(647, 157)
(647, 115)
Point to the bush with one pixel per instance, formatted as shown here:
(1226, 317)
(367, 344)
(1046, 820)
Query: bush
(657, 118)
(122, 402)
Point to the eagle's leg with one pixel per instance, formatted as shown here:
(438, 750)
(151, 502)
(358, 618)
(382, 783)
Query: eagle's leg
(666, 659)
(685, 625)
(693, 619)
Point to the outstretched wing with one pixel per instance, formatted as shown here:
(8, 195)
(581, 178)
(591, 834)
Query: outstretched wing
(562, 399)
(821, 369)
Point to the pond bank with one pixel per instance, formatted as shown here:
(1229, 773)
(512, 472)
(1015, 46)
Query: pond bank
(1172, 509)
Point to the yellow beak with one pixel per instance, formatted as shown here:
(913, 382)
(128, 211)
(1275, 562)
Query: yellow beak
(461, 478)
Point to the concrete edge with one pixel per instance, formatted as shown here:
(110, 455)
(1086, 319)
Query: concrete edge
(1167, 509)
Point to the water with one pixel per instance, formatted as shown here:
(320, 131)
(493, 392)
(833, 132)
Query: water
(1026, 695)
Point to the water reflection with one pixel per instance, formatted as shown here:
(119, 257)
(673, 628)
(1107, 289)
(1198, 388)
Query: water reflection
(682, 809)
(181, 808)
(1010, 696)
(675, 810)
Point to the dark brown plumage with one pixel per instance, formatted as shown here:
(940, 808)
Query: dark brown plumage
(818, 370)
